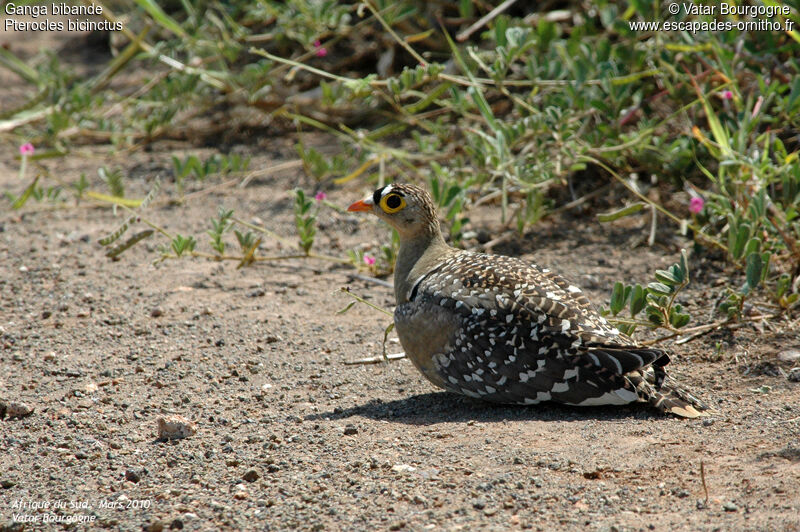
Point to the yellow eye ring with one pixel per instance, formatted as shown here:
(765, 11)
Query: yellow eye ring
(391, 203)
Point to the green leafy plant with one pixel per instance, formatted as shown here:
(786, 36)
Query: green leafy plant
(113, 179)
(450, 197)
(50, 194)
(181, 244)
(305, 219)
(80, 187)
(380, 263)
(320, 166)
(215, 164)
(247, 240)
(657, 300)
(220, 226)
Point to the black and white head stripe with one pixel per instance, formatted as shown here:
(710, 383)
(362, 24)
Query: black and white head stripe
(381, 192)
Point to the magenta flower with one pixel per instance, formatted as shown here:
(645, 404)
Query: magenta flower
(727, 95)
(696, 204)
(321, 50)
(320, 196)
(368, 260)
(26, 149)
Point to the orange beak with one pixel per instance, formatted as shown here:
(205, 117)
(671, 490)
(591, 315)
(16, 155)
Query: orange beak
(360, 206)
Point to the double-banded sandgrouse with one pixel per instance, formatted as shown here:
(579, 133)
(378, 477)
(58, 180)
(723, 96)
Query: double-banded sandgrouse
(507, 331)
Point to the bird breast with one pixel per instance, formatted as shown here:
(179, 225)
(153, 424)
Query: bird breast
(425, 330)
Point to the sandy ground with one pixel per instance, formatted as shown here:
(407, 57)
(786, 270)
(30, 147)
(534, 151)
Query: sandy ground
(288, 436)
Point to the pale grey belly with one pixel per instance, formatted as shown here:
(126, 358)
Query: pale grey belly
(425, 330)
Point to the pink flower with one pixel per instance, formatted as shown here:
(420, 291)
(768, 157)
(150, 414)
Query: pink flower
(321, 50)
(369, 261)
(320, 196)
(696, 204)
(727, 95)
(26, 149)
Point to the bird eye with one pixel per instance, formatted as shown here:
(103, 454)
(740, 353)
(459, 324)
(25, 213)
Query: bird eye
(392, 203)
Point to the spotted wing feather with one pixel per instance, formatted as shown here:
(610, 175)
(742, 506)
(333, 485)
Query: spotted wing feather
(527, 335)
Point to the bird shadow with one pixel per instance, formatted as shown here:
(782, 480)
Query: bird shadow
(443, 407)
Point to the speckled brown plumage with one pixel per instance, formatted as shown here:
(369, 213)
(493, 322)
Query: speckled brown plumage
(503, 330)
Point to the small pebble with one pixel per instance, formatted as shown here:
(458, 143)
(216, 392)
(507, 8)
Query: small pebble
(730, 507)
(156, 312)
(251, 475)
(133, 475)
(403, 468)
(175, 427)
(155, 526)
(17, 410)
(349, 430)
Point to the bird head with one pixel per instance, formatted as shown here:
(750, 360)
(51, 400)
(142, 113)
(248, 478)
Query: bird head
(407, 208)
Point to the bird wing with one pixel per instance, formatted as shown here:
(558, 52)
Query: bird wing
(531, 326)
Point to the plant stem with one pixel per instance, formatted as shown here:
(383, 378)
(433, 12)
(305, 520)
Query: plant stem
(362, 300)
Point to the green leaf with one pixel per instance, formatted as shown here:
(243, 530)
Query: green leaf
(659, 288)
(483, 106)
(345, 309)
(739, 241)
(433, 182)
(617, 298)
(754, 269)
(621, 213)
(765, 258)
(753, 246)
(452, 192)
(20, 201)
(655, 318)
(18, 66)
(667, 277)
(684, 265)
(679, 320)
(637, 300)
(161, 17)
(719, 133)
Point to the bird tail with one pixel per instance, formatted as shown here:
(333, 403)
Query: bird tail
(669, 397)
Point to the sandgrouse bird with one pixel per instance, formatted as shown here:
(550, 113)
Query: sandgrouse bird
(503, 330)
